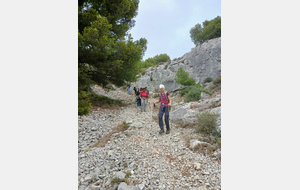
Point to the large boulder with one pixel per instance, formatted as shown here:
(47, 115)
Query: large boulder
(187, 112)
(201, 62)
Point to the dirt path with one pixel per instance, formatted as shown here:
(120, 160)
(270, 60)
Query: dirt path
(152, 161)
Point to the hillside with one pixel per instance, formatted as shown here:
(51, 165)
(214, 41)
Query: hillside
(201, 62)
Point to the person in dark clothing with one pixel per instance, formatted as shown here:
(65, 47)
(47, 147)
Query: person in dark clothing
(138, 99)
(128, 88)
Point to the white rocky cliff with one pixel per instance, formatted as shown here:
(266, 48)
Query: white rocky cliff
(201, 62)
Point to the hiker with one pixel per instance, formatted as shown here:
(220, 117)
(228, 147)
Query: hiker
(128, 88)
(134, 88)
(144, 98)
(138, 99)
(165, 103)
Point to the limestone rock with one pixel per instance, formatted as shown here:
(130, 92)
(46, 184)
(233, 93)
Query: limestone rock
(204, 95)
(124, 186)
(197, 166)
(201, 62)
(121, 175)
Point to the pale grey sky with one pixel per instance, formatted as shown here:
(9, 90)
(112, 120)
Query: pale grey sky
(166, 24)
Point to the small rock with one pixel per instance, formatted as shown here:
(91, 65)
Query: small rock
(121, 175)
(197, 166)
(141, 186)
(88, 178)
(204, 95)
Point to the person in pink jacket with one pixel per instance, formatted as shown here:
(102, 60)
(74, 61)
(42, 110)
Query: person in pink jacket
(165, 103)
(144, 98)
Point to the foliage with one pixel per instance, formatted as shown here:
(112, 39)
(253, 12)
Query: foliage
(152, 61)
(183, 78)
(100, 100)
(155, 96)
(193, 92)
(208, 79)
(83, 103)
(208, 30)
(104, 43)
(207, 123)
(116, 180)
(194, 95)
(128, 174)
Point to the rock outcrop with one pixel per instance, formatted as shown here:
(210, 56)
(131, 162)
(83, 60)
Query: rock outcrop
(201, 62)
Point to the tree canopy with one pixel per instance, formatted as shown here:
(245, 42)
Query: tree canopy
(208, 30)
(106, 51)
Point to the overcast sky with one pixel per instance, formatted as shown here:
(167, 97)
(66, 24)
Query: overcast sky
(166, 24)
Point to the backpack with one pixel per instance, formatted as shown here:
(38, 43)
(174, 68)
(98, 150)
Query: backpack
(165, 96)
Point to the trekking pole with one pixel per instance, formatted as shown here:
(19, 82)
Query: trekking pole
(152, 114)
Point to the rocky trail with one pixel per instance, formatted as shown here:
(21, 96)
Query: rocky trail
(139, 158)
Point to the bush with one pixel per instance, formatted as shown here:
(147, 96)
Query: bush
(193, 92)
(216, 87)
(183, 78)
(155, 96)
(207, 123)
(217, 80)
(84, 104)
(194, 95)
(208, 79)
(100, 100)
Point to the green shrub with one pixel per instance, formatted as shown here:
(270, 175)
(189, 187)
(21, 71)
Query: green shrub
(194, 95)
(155, 96)
(99, 100)
(185, 90)
(208, 79)
(193, 92)
(183, 78)
(207, 123)
(116, 180)
(128, 174)
(84, 104)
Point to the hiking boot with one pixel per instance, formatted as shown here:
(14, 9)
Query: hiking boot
(161, 131)
(168, 131)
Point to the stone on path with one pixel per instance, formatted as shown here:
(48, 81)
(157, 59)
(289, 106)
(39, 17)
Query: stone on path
(124, 186)
(120, 175)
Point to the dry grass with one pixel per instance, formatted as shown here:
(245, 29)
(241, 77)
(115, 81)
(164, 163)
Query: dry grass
(178, 99)
(188, 138)
(102, 142)
(215, 104)
(186, 173)
(205, 148)
(211, 145)
(216, 86)
(196, 105)
(170, 158)
(186, 125)
(202, 107)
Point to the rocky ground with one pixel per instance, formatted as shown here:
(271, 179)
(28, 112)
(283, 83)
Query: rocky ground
(140, 158)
